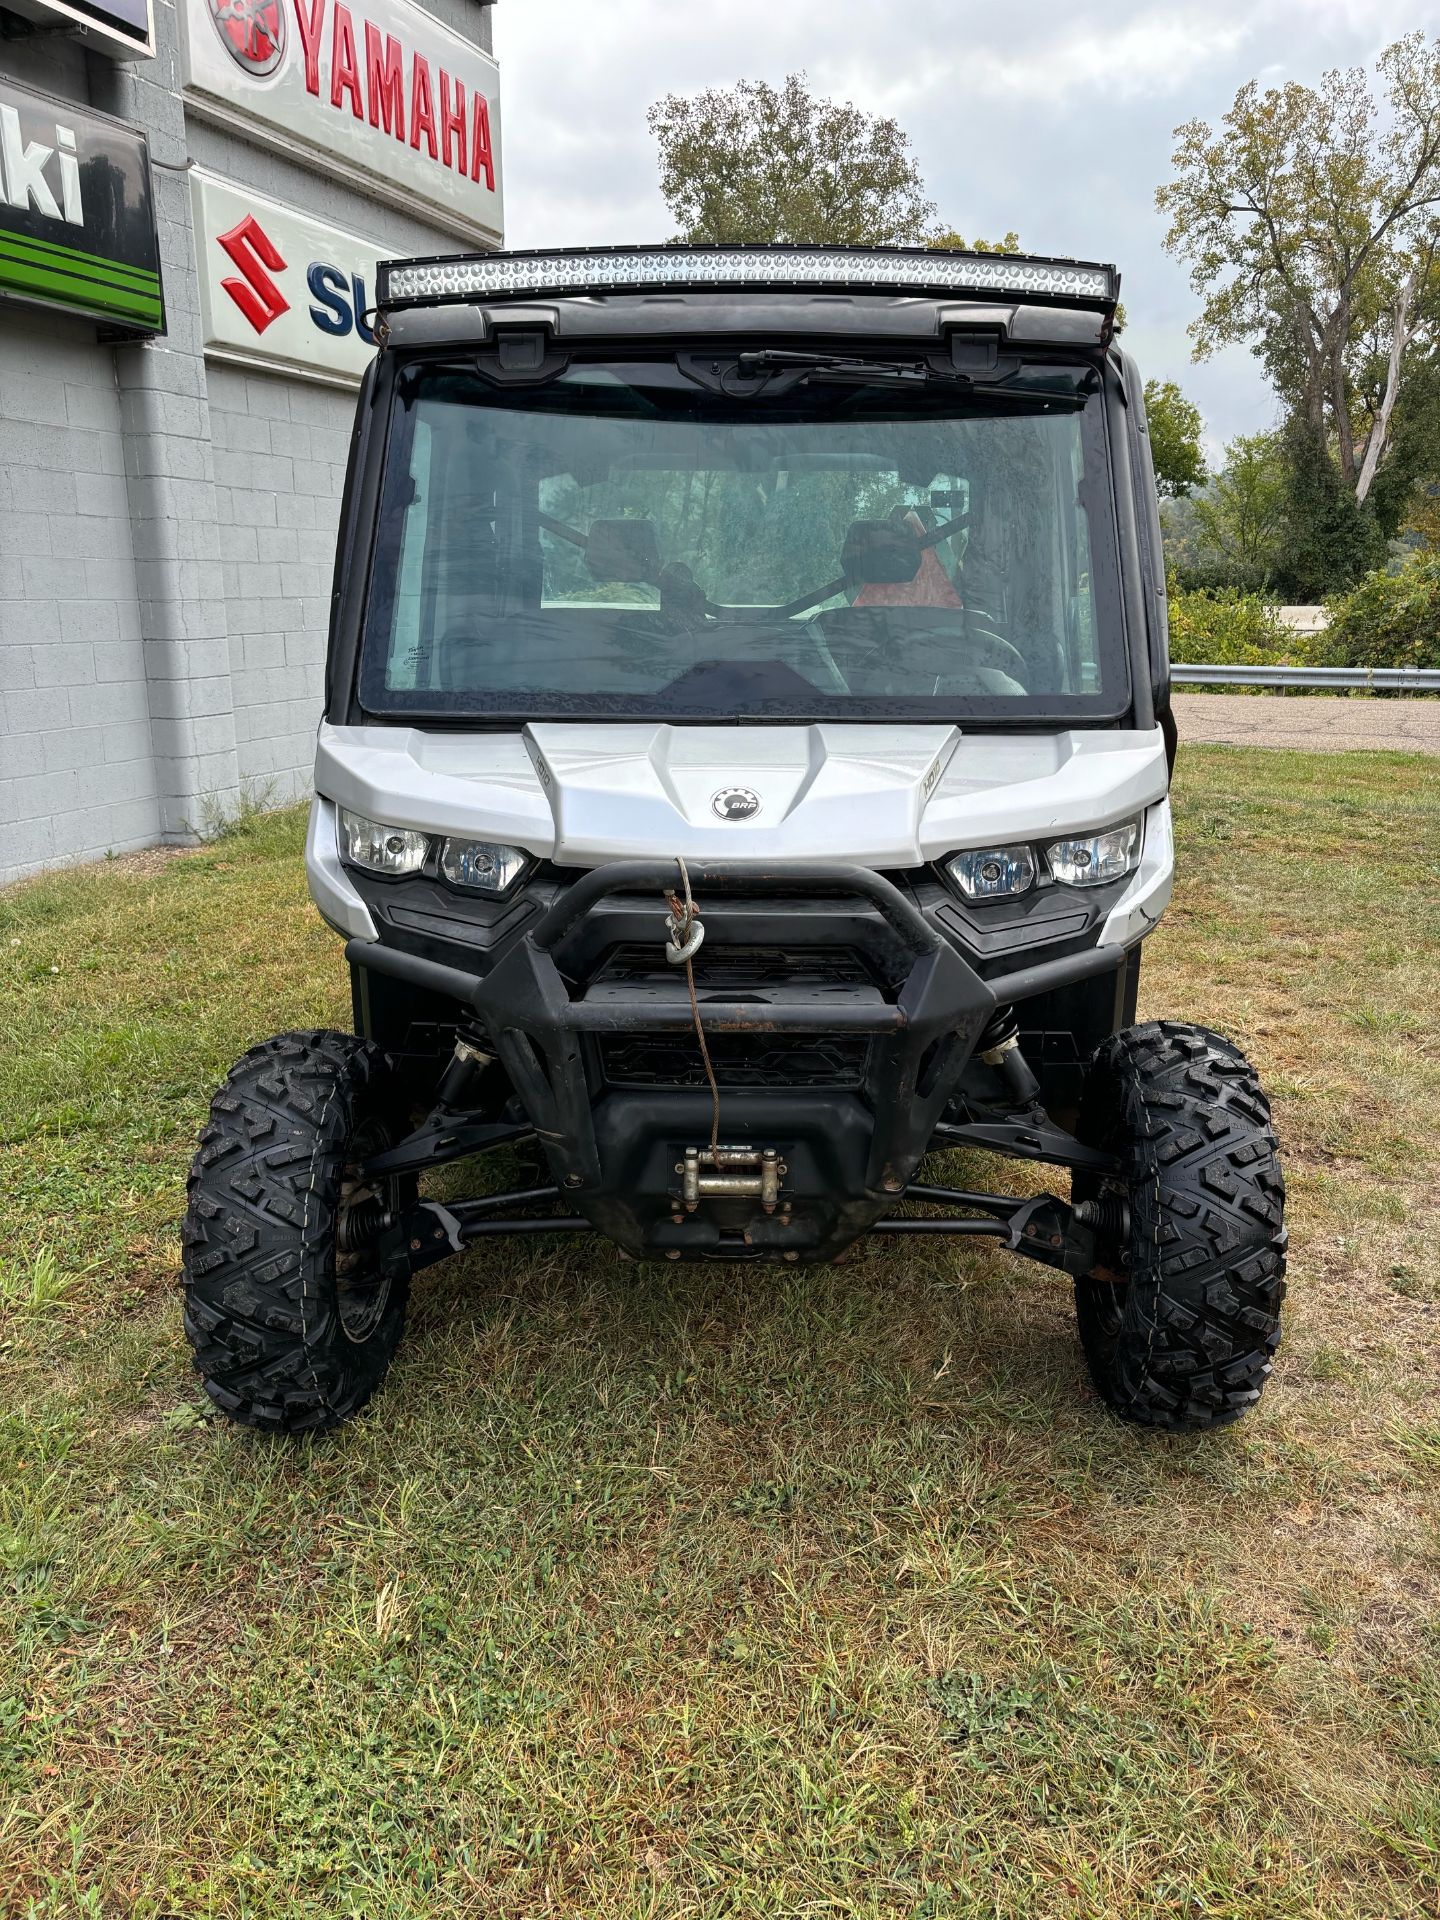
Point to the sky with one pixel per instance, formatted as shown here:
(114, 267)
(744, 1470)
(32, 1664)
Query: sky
(1049, 117)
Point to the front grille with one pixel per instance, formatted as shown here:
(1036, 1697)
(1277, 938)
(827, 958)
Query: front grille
(740, 1059)
(724, 970)
(771, 978)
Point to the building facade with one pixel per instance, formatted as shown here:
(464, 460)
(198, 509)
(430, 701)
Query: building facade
(193, 196)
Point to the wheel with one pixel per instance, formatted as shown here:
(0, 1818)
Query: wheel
(290, 1332)
(1180, 1317)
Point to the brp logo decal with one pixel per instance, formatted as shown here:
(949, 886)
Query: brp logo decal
(253, 32)
(257, 257)
(735, 803)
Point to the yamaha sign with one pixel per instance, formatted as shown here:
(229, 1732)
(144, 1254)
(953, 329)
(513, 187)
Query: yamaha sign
(279, 290)
(378, 91)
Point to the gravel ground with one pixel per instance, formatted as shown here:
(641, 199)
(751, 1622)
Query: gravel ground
(1311, 725)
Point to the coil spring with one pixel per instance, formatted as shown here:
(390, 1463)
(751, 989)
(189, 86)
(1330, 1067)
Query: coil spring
(1001, 1027)
(1108, 1216)
(361, 1226)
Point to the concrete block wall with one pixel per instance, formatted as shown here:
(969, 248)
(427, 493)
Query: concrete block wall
(76, 769)
(280, 450)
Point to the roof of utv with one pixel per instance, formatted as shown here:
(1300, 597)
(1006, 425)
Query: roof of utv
(576, 291)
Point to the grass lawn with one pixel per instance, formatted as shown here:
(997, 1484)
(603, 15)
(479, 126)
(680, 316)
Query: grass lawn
(690, 1591)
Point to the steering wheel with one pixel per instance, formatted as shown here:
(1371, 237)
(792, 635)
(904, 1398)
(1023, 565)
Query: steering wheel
(1000, 651)
(995, 651)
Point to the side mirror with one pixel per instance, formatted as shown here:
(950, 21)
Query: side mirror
(878, 553)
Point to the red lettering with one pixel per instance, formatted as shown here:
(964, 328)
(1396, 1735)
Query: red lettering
(385, 81)
(344, 73)
(481, 159)
(310, 25)
(422, 106)
(452, 124)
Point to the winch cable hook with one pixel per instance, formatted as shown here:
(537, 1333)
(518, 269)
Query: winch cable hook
(684, 936)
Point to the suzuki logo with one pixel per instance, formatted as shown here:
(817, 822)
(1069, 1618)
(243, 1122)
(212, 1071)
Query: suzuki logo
(253, 252)
(253, 32)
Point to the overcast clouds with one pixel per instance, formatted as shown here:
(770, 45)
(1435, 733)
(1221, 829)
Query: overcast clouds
(1050, 118)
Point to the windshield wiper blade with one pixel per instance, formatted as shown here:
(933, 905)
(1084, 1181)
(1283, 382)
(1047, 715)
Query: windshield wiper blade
(854, 370)
(846, 368)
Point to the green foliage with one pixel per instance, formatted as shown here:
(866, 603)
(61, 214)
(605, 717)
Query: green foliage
(1241, 514)
(1227, 628)
(947, 238)
(1327, 541)
(1277, 518)
(1389, 620)
(33, 1283)
(1175, 429)
(1408, 483)
(754, 162)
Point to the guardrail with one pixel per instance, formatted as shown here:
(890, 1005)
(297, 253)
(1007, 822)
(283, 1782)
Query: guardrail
(1367, 679)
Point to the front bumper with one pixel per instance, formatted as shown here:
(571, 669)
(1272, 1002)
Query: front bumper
(618, 1153)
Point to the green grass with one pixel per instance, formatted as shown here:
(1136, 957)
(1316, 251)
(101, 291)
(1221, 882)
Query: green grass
(701, 1592)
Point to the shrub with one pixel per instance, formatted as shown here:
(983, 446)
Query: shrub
(1227, 629)
(1212, 574)
(1388, 620)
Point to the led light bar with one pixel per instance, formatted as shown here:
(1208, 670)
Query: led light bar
(502, 276)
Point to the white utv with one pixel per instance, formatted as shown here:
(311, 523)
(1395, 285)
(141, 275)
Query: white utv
(743, 776)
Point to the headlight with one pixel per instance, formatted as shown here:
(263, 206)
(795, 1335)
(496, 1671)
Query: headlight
(483, 864)
(370, 843)
(993, 873)
(1099, 857)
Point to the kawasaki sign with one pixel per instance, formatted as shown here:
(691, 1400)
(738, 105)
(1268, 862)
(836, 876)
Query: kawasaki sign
(378, 91)
(77, 224)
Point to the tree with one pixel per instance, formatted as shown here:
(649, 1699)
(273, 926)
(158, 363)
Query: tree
(755, 162)
(1175, 429)
(1240, 514)
(1327, 538)
(1423, 524)
(946, 237)
(1310, 223)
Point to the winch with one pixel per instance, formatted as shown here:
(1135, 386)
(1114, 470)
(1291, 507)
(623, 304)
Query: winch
(731, 1173)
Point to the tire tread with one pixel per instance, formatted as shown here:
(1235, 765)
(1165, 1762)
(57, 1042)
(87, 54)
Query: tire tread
(258, 1236)
(1200, 1322)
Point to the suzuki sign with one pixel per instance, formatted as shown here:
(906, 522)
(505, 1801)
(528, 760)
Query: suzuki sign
(378, 90)
(278, 289)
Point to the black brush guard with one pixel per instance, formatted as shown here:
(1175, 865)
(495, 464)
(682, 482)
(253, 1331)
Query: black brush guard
(618, 1155)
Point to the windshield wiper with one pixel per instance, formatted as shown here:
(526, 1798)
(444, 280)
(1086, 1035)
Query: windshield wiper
(852, 370)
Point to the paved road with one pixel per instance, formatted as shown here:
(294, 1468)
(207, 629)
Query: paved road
(1309, 725)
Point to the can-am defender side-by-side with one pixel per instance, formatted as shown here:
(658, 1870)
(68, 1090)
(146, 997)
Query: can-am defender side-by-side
(743, 774)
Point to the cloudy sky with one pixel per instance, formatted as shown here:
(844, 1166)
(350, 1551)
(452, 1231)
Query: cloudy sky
(1051, 117)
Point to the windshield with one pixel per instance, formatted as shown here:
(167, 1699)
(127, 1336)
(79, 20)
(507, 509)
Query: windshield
(628, 541)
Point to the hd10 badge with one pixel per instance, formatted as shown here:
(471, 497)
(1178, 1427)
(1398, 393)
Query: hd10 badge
(279, 289)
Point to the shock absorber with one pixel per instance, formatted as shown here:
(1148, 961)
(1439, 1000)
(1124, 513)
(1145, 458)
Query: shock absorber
(1108, 1215)
(1000, 1048)
(461, 1071)
(361, 1225)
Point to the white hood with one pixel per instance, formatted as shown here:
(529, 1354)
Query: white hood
(885, 796)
